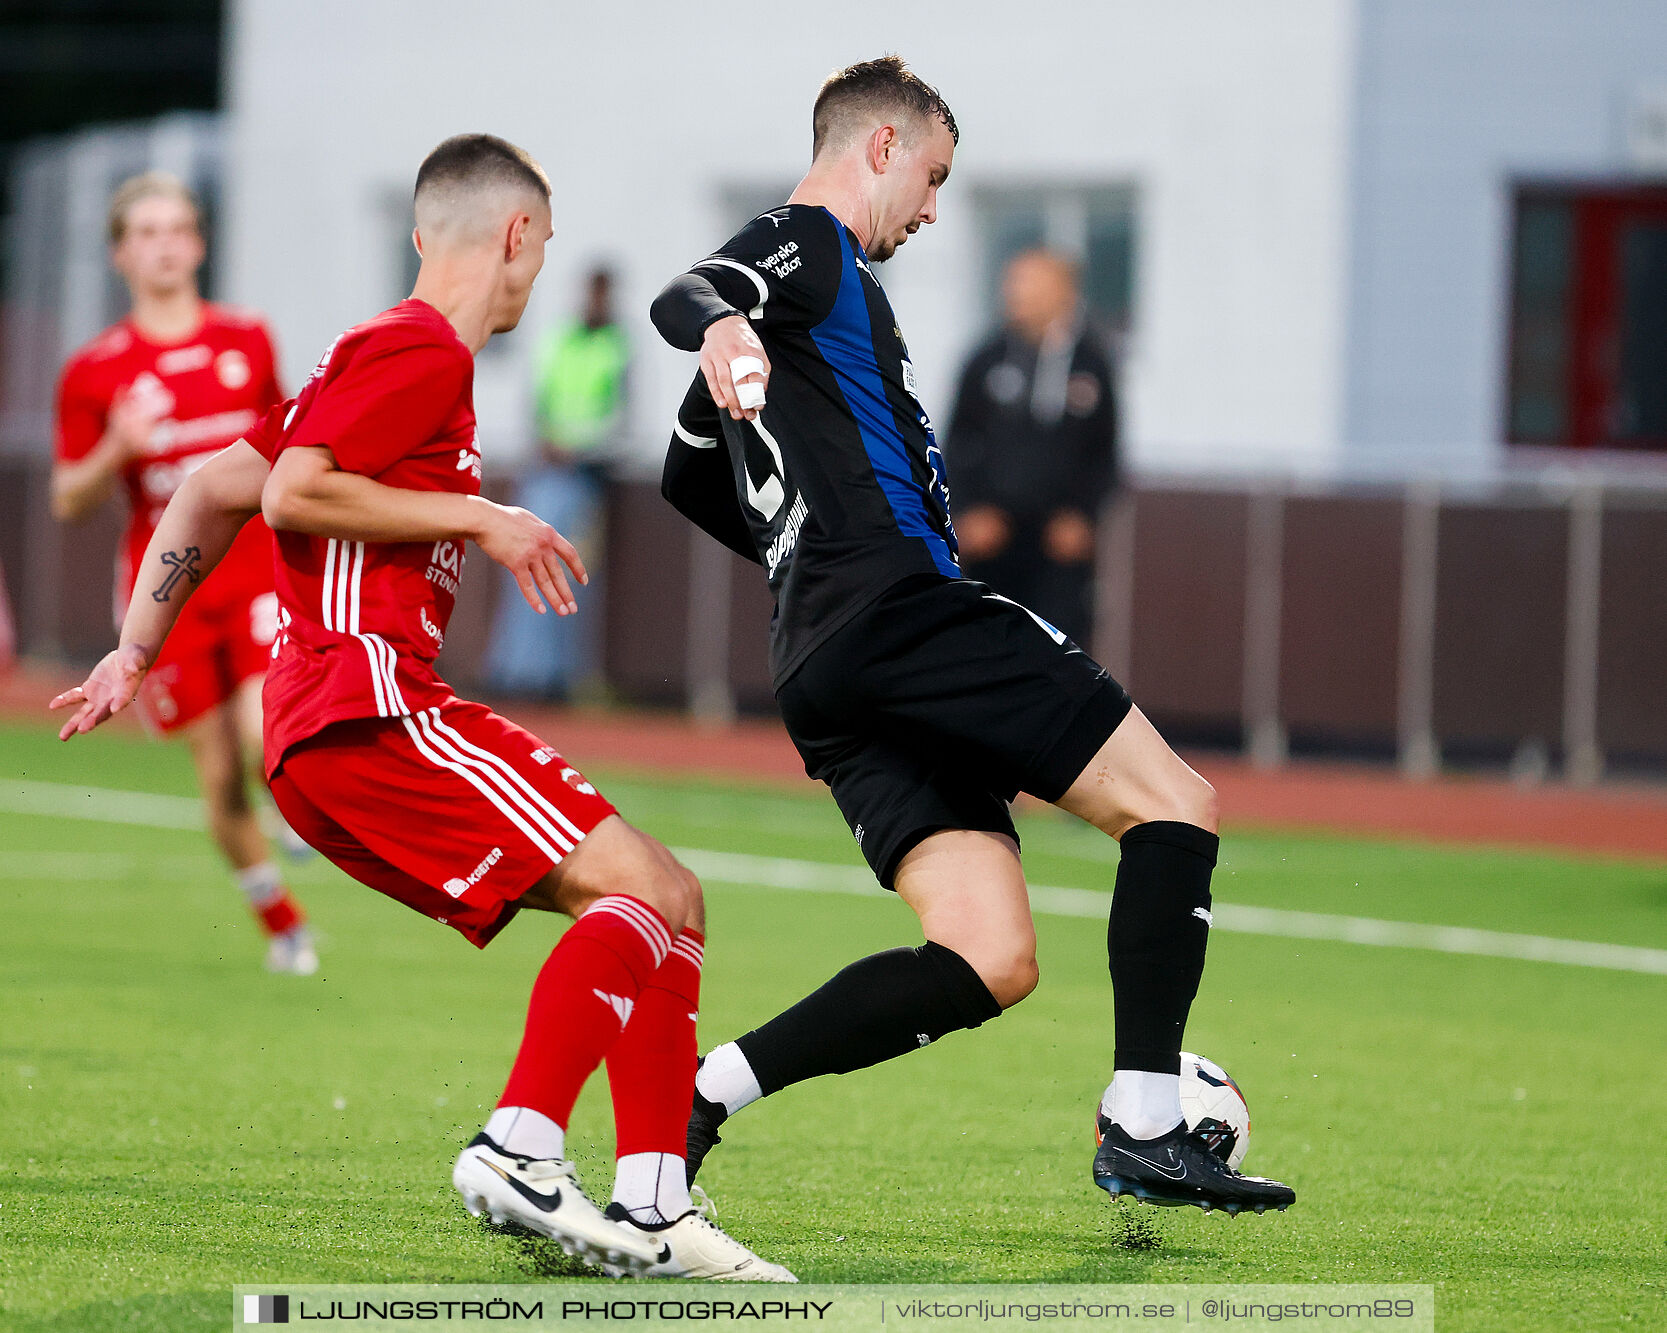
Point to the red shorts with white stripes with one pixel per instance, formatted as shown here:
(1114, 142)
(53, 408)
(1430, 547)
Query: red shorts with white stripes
(455, 811)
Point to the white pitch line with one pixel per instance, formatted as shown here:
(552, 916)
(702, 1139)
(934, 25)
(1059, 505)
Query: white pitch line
(65, 865)
(1442, 939)
(102, 867)
(110, 805)
(107, 805)
(820, 877)
(779, 872)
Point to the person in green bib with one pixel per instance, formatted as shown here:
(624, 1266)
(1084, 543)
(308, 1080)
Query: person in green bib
(580, 383)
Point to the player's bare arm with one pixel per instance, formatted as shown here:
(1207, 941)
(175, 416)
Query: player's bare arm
(307, 492)
(193, 536)
(80, 487)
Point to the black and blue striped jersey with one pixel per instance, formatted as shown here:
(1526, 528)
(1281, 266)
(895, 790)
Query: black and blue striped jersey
(838, 488)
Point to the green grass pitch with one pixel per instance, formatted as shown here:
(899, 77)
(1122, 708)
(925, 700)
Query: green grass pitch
(173, 1120)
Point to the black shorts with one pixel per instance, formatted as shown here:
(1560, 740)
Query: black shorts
(937, 705)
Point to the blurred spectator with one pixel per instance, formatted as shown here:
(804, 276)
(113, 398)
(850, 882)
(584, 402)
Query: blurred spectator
(580, 390)
(1032, 447)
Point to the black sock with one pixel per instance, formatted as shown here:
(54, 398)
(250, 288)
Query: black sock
(1156, 938)
(880, 1007)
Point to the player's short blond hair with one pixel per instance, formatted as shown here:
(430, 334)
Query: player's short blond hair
(144, 186)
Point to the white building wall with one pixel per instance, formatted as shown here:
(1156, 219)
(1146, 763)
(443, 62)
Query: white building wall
(1458, 102)
(1232, 119)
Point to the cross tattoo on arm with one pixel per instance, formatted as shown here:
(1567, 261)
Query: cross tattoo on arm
(181, 564)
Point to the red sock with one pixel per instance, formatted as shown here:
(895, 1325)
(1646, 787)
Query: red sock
(651, 1069)
(279, 913)
(269, 900)
(582, 1001)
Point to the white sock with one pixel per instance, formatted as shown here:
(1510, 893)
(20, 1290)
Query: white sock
(260, 884)
(652, 1187)
(1143, 1104)
(520, 1129)
(726, 1078)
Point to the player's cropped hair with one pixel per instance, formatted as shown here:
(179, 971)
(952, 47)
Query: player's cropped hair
(144, 186)
(470, 163)
(884, 87)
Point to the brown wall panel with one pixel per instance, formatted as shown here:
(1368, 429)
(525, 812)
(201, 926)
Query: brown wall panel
(646, 656)
(750, 606)
(1187, 662)
(17, 562)
(80, 612)
(1499, 618)
(1500, 613)
(1340, 621)
(1632, 632)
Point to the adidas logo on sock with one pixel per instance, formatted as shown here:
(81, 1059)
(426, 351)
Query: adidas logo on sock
(618, 1003)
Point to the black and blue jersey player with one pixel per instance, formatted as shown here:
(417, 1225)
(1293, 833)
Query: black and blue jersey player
(925, 701)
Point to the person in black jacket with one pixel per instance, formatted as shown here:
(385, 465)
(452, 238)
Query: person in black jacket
(1032, 447)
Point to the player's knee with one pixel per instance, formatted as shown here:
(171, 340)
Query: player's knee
(1010, 974)
(695, 918)
(1183, 797)
(666, 885)
(1198, 804)
(625, 861)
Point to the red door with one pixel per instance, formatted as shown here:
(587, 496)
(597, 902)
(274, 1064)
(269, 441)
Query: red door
(1589, 319)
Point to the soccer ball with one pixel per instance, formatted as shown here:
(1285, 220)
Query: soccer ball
(1212, 1101)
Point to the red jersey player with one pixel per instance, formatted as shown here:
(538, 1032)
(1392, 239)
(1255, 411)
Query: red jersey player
(371, 479)
(141, 406)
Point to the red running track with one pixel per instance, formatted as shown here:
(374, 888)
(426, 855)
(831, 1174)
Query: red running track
(1612, 819)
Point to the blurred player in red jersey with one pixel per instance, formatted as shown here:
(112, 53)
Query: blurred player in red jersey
(371, 479)
(140, 407)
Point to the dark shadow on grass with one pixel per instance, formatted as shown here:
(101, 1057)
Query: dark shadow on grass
(1123, 1243)
(537, 1256)
(1134, 1228)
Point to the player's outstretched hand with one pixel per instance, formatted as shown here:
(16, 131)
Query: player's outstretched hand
(113, 685)
(534, 552)
(736, 369)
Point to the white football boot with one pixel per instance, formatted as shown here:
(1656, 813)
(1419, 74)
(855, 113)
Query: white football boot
(292, 953)
(544, 1196)
(697, 1248)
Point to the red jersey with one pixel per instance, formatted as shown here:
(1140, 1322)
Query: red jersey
(360, 623)
(208, 390)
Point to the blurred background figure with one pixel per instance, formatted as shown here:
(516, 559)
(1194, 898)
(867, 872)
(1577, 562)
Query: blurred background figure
(580, 385)
(139, 408)
(1032, 446)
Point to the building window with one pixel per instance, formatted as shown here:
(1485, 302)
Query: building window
(1095, 225)
(1588, 349)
